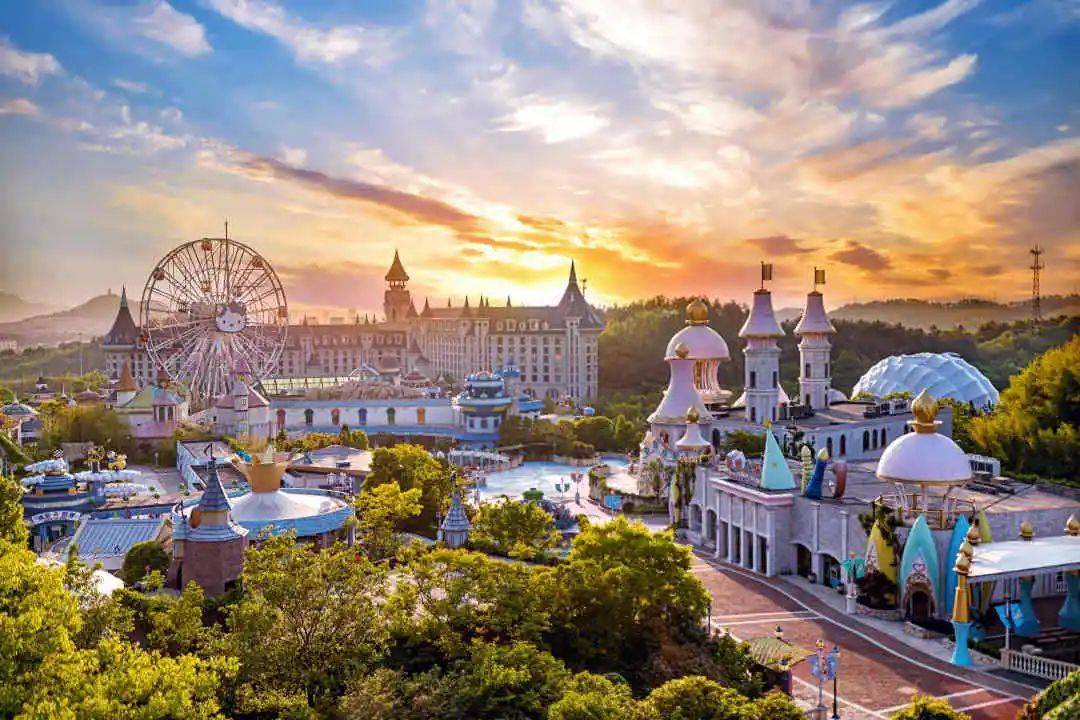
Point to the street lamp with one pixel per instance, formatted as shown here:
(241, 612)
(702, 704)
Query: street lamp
(835, 667)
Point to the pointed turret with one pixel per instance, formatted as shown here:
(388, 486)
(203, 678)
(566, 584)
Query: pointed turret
(455, 527)
(214, 522)
(507, 301)
(426, 312)
(125, 387)
(396, 273)
(761, 322)
(762, 387)
(814, 329)
(775, 473)
(123, 330)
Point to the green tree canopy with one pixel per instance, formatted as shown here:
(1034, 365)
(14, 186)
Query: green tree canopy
(142, 558)
(380, 511)
(411, 466)
(927, 707)
(515, 529)
(594, 697)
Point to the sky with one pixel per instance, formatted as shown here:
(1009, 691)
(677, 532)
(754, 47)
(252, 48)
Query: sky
(912, 149)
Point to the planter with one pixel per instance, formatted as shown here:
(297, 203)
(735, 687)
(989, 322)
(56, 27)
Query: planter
(976, 656)
(890, 614)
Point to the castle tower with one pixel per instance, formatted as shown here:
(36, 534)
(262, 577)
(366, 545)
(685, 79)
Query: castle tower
(814, 329)
(761, 332)
(125, 387)
(208, 546)
(121, 345)
(396, 300)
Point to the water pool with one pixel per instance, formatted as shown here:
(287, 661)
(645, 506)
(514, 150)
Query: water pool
(539, 475)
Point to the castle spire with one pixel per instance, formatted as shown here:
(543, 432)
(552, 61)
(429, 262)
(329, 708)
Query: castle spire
(123, 296)
(396, 273)
(573, 274)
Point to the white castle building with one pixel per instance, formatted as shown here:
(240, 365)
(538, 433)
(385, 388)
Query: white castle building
(554, 347)
(821, 417)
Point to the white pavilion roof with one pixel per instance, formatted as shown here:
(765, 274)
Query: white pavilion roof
(1016, 558)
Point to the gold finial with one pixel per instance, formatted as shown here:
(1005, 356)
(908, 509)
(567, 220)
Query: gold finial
(973, 535)
(1072, 526)
(962, 599)
(1027, 532)
(681, 350)
(963, 563)
(823, 455)
(967, 549)
(697, 312)
(692, 416)
(925, 408)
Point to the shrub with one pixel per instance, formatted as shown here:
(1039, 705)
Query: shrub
(927, 707)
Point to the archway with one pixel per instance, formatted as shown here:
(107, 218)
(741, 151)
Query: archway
(828, 446)
(361, 416)
(865, 440)
(391, 415)
(309, 417)
(919, 603)
(843, 445)
(804, 561)
(335, 417)
(695, 518)
(710, 525)
(281, 418)
(716, 438)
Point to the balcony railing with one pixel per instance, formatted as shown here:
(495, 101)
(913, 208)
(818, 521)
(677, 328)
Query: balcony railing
(1036, 665)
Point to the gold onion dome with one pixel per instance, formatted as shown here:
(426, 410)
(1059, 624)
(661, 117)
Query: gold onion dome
(1027, 532)
(1072, 526)
(973, 536)
(925, 409)
(692, 415)
(963, 563)
(697, 312)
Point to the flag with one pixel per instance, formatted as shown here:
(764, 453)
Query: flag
(819, 276)
(766, 271)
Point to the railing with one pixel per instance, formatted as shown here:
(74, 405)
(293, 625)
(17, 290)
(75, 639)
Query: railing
(1036, 665)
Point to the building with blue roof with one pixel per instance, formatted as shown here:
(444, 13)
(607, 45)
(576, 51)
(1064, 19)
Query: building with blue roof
(108, 540)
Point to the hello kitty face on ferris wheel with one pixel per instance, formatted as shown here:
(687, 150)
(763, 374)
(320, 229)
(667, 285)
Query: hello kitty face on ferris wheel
(231, 318)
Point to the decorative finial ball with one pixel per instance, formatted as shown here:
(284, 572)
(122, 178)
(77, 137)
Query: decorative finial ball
(973, 535)
(1027, 532)
(1072, 526)
(963, 563)
(823, 455)
(925, 408)
(681, 350)
(966, 548)
(697, 312)
(692, 415)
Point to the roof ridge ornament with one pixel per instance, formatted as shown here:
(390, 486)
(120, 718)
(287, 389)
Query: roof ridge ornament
(697, 312)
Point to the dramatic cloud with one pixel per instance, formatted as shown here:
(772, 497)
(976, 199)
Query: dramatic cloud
(554, 120)
(862, 257)
(777, 245)
(26, 67)
(308, 42)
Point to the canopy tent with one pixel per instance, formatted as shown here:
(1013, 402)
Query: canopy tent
(1020, 558)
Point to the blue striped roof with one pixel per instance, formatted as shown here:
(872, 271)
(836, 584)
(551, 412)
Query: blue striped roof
(112, 537)
(456, 519)
(214, 498)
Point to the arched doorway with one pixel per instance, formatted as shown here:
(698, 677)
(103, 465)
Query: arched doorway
(335, 417)
(281, 418)
(804, 561)
(865, 440)
(391, 416)
(309, 417)
(361, 416)
(843, 445)
(920, 604)
(716, 439)
(828, 446)
(710, 525)
(421, 415)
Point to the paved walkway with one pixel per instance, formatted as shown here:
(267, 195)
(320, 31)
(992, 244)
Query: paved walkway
(877, 675)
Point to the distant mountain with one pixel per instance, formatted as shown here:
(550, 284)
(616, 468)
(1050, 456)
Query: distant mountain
(13, 307)
(91, 319)
(925, 314)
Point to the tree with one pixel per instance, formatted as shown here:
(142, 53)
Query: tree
(85, 423)
(503, 682)
(597, 431)
(515, 529)
(308, 621)
(142, 558)
(927, 707)
(176, 624)
(102, 615)
(1035, 428)
(357, 439)
(118, 680)
(621, 590)
(38, 619)
(594, 697)
(693, 698)
(448, 598)
(380, 510)
(12, 527)
(411, 466)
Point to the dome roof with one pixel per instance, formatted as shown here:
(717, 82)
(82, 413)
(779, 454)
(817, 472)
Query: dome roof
(701, 341)
(924, 456)
(944, 375)
(17, 408)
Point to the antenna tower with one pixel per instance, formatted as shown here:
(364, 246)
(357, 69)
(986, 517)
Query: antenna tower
(1036, 266)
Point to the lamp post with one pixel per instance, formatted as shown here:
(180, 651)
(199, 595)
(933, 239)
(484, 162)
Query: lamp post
(835, 667)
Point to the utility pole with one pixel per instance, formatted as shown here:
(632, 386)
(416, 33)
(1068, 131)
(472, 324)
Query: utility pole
(1036, 266)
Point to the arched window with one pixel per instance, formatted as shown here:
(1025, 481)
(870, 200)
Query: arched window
(421, 416)
(281, 418)
(753, 414)
(883, 443)
(309, 417)
(716, 438)
(828, 446)
(391, 413)
(843, 445)
(865, 440)
(361, 416)
(335, 417)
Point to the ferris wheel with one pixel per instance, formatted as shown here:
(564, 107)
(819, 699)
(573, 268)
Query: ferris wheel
(212, 308)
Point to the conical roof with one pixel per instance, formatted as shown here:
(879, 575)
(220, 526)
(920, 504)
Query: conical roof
(396, 273)
(426, 312)
(761, 322)
(775, 473)
(456, 520)
(126, 382)
(814, 319)
(214, 498)
(123, 330)
(573, 303)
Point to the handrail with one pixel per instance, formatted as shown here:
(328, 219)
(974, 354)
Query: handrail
(1036, 665)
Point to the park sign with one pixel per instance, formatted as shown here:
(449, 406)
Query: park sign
(55, 516)
(613, 502)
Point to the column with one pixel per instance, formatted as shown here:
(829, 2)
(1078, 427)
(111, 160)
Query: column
(1030, 626)
(753, 536)
(770, 542)
(716, 531)
(731, 530)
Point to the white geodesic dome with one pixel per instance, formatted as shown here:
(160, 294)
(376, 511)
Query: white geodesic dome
(943, 375)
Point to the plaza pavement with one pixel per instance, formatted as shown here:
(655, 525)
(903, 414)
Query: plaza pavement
(878, 674)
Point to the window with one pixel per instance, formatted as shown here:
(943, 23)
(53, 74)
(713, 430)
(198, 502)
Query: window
(843, 445)
(883, 443)
(391, 415)
(753, 414)
(421, 416)
(828, 446)
(309, 417)
(483, 423)
(873, 439)
(281, 418)
(775, 379)
(753, 378)
(335, 417)
(806, 370)
(865, 440)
